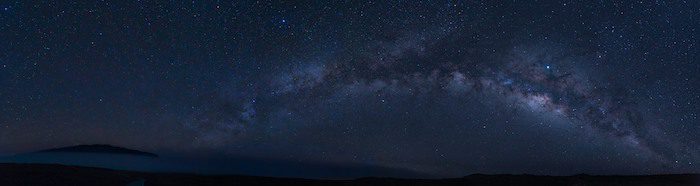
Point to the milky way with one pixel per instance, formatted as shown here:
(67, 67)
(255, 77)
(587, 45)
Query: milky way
(536, 77)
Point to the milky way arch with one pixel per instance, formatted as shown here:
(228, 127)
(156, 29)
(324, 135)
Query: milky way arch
(537, 77)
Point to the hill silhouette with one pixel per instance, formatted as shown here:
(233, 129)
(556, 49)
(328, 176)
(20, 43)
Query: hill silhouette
(99, 148)
(48, 174)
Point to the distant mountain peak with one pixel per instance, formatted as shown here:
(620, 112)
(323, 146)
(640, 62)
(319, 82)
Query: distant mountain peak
(99, 148)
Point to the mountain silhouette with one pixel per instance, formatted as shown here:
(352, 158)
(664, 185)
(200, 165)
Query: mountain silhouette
(99, 148)
(52, 174)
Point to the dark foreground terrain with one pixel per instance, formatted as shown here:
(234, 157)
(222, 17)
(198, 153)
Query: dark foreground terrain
(43, 174)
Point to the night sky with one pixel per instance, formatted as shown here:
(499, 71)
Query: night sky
(446, 88)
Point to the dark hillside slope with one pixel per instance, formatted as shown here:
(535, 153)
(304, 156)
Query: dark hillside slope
(44, 174)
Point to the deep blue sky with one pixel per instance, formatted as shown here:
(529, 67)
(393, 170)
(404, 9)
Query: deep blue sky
(441, 87)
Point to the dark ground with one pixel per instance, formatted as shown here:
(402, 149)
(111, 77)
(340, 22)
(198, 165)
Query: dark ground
(42, 174)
